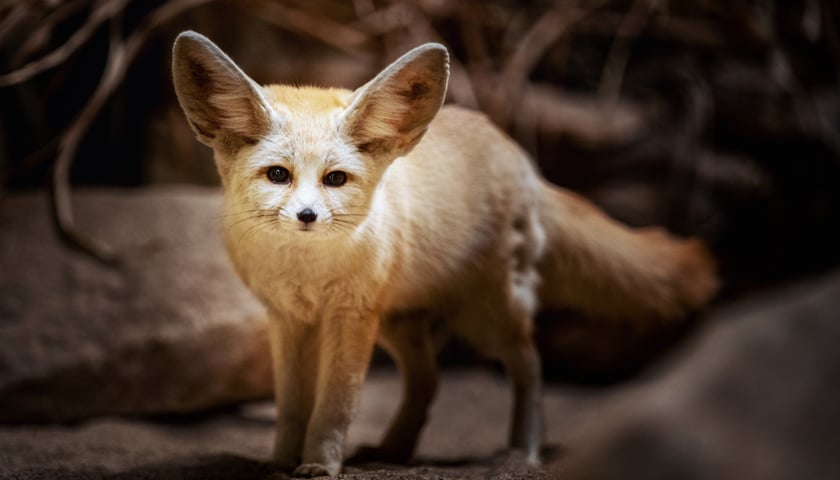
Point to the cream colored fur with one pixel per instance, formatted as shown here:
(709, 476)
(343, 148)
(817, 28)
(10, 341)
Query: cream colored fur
(456, 229)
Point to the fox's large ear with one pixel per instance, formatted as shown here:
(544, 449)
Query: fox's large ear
(223, 105)
(390, 114)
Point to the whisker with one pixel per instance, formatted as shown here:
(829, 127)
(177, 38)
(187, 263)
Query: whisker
(251, 212)
(252, 217)
(343, 226)
(344, 223)
(259, 208)
(336, 228)
(243, 212)
(255, 226)
(265, 226)
(342, 214)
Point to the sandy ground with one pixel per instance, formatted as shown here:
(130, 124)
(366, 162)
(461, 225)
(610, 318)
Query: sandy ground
(464, 439)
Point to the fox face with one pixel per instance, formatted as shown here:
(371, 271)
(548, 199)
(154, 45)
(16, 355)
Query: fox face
(306, 174)
(305, 161)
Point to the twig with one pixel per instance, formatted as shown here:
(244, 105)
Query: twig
(101, 12)
(616, 63)
(120, 56)
(409, 17)
(472, 34)
(62, 205)
(11, 19)
(580, 117)
(699, 107)
(40, 35)
(677, 29)
(345, 38)
(545, 32)
(384, 20)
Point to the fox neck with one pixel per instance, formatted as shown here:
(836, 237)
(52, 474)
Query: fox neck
(292, 270)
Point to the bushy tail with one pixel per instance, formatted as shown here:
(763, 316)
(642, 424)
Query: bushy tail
(601, 267)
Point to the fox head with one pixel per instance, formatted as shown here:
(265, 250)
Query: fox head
(305, 159)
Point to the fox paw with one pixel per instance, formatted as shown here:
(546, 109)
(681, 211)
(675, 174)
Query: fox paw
(309, 470)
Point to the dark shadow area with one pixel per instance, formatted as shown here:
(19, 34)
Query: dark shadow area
(597, 352)
(495, 465)
(195, 417)
(548, 454)
(207, 467)
(215, 467)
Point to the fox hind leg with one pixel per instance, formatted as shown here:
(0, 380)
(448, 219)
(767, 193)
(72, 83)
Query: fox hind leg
(522, 364)
(507, 338)
(407, 339)
(518, 353)
(500, 325)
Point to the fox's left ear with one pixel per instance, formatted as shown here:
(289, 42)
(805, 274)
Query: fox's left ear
(390, 114)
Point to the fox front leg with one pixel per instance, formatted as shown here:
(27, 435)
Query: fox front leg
(345, 347)
(292, 344)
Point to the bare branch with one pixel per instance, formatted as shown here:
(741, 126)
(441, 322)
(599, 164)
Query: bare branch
(532, 47)
(120, 56)
(41, 35)
(11, 17)
(345, 38)
(101, 12)
(581, 118)
(615, 65)
(62, 206)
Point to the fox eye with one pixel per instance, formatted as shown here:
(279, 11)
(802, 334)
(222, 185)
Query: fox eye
(335, 178)
(278, 175)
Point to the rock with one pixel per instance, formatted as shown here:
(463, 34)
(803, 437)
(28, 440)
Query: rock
(171, 329)
(755, 396)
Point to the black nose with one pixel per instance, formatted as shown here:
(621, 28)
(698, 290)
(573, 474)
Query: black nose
(307, 215)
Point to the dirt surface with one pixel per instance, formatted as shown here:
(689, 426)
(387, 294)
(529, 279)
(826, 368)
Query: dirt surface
(464, 439)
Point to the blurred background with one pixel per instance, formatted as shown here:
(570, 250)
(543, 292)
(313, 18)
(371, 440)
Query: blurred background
(714, 118)
(718, 119)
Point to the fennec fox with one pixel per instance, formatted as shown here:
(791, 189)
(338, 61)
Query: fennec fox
(366, 216)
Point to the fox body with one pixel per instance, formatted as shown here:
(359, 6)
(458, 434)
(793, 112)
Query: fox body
(366, 216)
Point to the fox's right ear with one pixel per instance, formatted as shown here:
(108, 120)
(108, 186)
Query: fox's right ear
(388, 115)
(223, 105)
